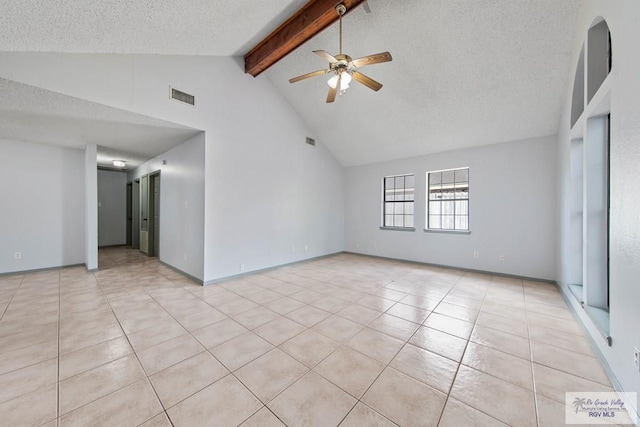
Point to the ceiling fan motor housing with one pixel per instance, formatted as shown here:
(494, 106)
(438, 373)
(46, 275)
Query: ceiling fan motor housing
(342, 63)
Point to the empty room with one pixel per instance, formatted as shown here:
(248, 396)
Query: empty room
(319, 213)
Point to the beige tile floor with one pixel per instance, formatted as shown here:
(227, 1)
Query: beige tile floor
(344, 340)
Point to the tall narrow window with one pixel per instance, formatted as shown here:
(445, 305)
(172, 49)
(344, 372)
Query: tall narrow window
(448, 200)
(398, 198)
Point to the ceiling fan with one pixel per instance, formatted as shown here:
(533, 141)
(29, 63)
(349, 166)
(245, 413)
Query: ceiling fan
(343, 68)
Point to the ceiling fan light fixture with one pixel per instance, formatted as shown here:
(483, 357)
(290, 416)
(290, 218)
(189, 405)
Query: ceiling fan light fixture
(342, 68)
(333, 81)
(344, 82)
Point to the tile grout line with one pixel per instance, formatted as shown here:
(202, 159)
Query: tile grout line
(309, 370)
(468, 340)
(205, 350)
(208, 350)
(230, 372)
(359, 400)
(277, 347)
(498, 378)
(533, 376)
(174, 364)
(460, 363)
(58, 352)
(387, 365)
(164, 410)
(13, 296)
(407, 342)
(343, 344)
(509, 382)
(132, 348)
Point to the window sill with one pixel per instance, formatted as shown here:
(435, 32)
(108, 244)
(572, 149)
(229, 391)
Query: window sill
(598, 315)
(398, 228)
(576, 291)
(429, 230)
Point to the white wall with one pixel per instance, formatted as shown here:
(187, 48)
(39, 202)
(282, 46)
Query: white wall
(267, 193)
(42, 215)
(271, 198)
(181, 204)
(91, 207)
(512, 210)
(112, 208)
(623, 18)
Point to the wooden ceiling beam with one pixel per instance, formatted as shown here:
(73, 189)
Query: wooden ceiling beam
(312, 18)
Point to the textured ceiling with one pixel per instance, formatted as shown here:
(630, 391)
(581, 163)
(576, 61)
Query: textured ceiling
(180, 27)
(464, 73)
(32, 114)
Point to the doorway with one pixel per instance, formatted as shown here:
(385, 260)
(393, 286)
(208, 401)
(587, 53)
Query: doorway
(144, 214)
(150, 214)
(135, 214)
(129, 213)
(154, 215)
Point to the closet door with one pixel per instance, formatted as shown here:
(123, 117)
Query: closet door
(144, 214)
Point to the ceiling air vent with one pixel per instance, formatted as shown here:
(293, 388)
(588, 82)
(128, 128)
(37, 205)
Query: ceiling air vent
(183, 97)
(311, 141)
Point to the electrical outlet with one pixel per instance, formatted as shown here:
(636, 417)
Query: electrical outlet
(476, 254)
(357, 245)
(242, 267)
(501, 258)
(636, 358)
(305, 247)
(17, 255)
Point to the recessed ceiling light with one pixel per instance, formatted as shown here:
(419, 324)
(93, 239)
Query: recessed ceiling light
(119, 163)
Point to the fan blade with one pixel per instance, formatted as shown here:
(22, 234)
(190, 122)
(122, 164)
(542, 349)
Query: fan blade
(308, 75)
(333, 90)
(372, 59)
(367, 81)
(326, 55)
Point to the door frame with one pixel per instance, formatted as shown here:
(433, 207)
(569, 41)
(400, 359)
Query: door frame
(129, 214)
(135, 214)
(154, 234)
(144, 214)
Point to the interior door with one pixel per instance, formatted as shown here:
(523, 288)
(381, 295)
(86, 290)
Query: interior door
(156, 215)
(135, 214)
(144, 214)
(129, 213)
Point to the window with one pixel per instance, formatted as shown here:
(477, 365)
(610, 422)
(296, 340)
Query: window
(588, 272)
(448, 199)
(398, 197)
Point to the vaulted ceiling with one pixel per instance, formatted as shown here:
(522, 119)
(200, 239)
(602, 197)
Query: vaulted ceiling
(464, 73)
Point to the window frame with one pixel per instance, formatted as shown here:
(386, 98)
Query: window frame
(384, 212)
(467, 199)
